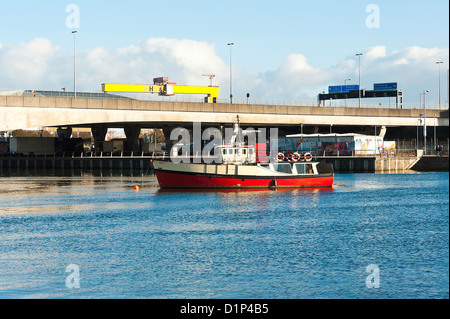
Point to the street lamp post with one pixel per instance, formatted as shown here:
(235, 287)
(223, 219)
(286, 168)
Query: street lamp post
(448, 86)
(439, 64)
(74, 64)
(301, 138)
(434, 139)
(231, 75)
(424, 121)
(419, 122)
(359, 76)
(345, 83)
(376, 144)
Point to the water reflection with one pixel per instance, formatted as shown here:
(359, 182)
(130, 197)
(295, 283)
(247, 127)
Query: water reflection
(246, 191)
(52, 194)
(13, 172)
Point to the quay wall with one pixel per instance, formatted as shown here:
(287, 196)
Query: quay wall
(86, 163)
(368, 164)
(340, 164)
(432, 163)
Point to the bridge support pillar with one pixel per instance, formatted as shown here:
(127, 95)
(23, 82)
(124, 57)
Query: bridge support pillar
(169, 142)
(132, 133)
(99, 134)
(64, 133)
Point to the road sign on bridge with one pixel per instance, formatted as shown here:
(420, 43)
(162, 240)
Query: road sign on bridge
(343, 88)
(385, 86)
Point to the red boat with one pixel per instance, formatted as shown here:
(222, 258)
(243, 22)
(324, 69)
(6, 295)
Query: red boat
(238, 170)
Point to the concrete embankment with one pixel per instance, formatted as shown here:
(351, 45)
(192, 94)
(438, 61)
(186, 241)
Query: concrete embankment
(374, 164)
(432, 163)
(85, 163)
(387, 164)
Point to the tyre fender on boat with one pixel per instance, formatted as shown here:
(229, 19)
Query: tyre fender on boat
(308, 157)
(279, 157)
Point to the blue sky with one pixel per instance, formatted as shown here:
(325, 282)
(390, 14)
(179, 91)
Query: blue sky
(271, 38)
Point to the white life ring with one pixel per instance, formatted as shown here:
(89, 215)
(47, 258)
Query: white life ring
(279, 157)
(308, 157)
(295, 157)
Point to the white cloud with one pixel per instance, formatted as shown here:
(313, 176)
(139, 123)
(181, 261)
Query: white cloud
(400, 61)
(296, 63)
(375, 53)
(26, 61)
(39, 64)
(294, 79)
(413, 68)
(183, 61)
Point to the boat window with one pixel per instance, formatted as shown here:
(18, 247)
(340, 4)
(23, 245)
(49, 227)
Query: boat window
(230, 151)
(283, 168)
(250, 151)
(244, 151)
(300, 168)
(309, 168)
(224, 151)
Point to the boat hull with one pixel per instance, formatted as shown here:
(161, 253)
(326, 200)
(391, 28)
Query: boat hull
(173, 179)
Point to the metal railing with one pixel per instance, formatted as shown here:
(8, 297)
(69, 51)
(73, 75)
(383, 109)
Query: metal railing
(404, 148)
(123, 156)
(368, 153)
(87, 155)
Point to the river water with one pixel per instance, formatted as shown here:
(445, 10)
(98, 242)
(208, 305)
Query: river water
(88, 235)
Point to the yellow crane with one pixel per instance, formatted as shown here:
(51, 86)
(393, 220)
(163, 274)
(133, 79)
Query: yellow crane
(163, 87)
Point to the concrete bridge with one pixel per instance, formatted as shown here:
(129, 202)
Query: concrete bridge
(20, 112)
(23, 112)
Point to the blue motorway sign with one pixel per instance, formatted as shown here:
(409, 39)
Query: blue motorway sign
(348, 88)
(385, 86)
(343, 88)
(335, 89)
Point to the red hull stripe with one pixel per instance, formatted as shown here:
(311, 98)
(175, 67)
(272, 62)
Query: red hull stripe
(168, 179)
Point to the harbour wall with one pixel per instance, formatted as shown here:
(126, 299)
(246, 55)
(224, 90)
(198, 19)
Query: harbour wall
(432, 163)
(369, 164)
(341, 164)
(86, 163)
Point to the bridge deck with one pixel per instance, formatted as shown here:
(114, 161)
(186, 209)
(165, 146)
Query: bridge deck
(21, 112)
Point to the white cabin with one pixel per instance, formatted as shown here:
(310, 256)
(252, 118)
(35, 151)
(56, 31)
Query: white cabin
(237, 154)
